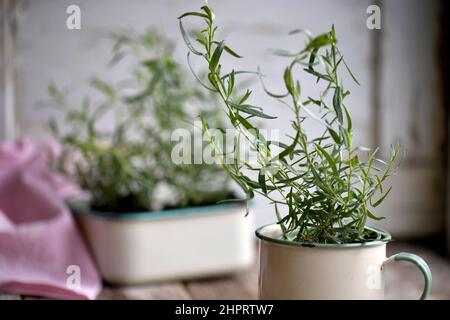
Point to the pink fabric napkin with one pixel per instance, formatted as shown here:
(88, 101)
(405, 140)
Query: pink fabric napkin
(41, 250)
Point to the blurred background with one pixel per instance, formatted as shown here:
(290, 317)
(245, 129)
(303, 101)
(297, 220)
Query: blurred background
(403, 70)
(400, 68)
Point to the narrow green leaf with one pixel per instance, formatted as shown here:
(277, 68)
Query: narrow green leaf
(374, 217)
(262, 180)
(379, 183)
(232, 52)
(216, 56)
(196, 14)
(188, 41)
(245, 96)
(273, 95)
(283, 52)
(209, 12)
(246, 108)
(280, 222)
(247, 125)
(312, 58)
(196, 76)
(318, 75)
(239, 72)
(105, 88)
(230, 83)
(229, 50)
(379, 201)
(337, 104)
(350, 72)
(335, 136)
(320, 41)
(298, 90)
(349, 119)
(346, 138)
(290, 148)
(288, 81)
(329, 158)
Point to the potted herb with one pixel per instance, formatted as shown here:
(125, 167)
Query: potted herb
(149, 217)
(323, 188)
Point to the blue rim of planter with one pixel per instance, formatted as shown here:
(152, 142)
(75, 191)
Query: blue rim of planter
(385, 237)
(81, 206)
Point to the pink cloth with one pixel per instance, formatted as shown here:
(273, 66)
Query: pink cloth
(41, 250)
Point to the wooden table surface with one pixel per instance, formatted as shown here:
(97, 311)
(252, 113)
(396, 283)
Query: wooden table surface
(403, 281)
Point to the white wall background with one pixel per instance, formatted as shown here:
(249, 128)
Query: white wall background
(410, 103)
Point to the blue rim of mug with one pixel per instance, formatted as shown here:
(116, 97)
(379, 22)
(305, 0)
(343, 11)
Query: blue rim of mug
(81, 206)
(385, 237)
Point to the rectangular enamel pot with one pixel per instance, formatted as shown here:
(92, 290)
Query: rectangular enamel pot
(133, 248)
(291, 270)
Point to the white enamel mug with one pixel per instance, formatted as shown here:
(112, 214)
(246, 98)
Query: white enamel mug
(290, 270)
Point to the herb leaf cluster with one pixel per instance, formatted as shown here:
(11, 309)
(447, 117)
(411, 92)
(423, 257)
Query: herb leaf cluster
(126, 164)
(323, 188)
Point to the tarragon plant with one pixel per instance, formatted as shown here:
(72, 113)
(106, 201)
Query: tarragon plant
(323, 188)
(120, 148)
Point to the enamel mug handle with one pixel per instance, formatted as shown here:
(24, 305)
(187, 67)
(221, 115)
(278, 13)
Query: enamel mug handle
(420, 263)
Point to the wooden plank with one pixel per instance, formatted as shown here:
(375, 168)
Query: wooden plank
(403, 281)
(413, 209)
(9, 296)
(35, 298)
(411, 87)
(164, 291)
(412, 115)
(240, 286)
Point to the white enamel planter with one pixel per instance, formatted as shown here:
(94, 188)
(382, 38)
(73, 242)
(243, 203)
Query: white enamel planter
(135, 248)
(291, 270)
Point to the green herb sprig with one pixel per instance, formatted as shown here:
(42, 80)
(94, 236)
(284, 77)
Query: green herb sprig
(323, 188)
(119, 149)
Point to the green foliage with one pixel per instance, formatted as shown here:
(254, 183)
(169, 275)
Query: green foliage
(323, 188)
(120, 149)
